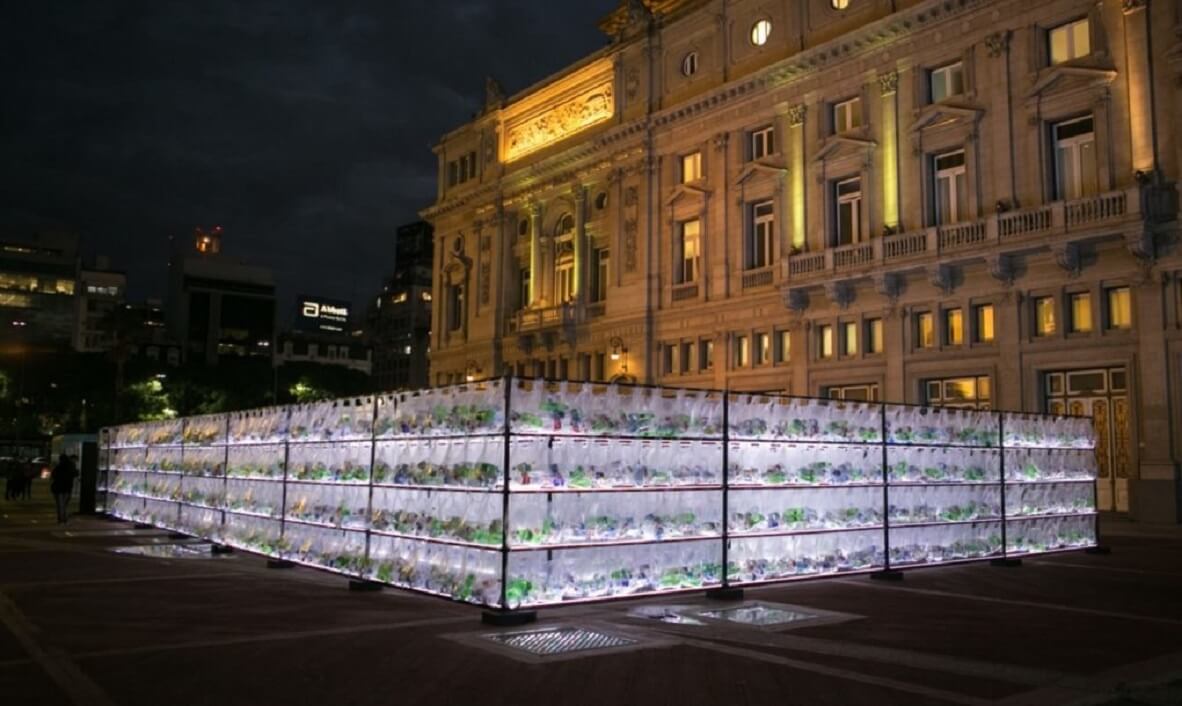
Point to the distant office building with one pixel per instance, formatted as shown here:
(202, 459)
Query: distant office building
(101, 294)
(38, 285)
(323, 334)
(399, 318)
(147, 332)
(218, 307)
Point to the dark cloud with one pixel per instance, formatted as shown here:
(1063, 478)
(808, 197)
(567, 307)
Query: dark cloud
(304, 128)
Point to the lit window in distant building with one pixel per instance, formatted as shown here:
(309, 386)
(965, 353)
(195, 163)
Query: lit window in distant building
(784, 347)
(953, 327)
(849, 338)
(984, 323)
(952, 195)
(742, 351)
(763, 349)
(1081, 312)
(839, 4)
(1070, 41)
(425, 296)
(874, 342)
(1044, 316)
(847, 196)
(964, 392)
(1120, 308)
(925, 330)
(825, 341)
(399, 298)
(691, 167)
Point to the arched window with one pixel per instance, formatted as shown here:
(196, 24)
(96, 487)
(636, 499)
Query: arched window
(565, 225)
(689, 64)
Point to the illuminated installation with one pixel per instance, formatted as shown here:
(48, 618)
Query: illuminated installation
(412, 489)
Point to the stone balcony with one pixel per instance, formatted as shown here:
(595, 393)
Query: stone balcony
(1126, 213)
(540, 319)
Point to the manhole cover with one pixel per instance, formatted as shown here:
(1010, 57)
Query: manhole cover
(195, 550)
(559, 641)
(672, 614)
(758, 614)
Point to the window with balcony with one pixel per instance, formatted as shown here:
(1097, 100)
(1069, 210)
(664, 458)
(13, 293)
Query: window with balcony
(847, 115)
(1044, 316)
(763, 142)
(760, 235)
(946, 81)
(742, 351)
(1069, 41)
(849, 339)
(825, 341)
(763, 349)
(686, 357)
(1075, 158)
(691, 167)
(951, 193)
(983, 323)
(564, 280)
(1120, 308)
(963, 392)
(1080, 309)
(783, 347)
(847, 195)
(688, 247)
(925, 330)
(874, 336)
(706, 354)
(600, 260)
(953, 327)
(522, 287)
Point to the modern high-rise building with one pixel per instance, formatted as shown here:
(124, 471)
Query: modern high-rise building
(398, 321)
(38, 291)
(101, 294)
(968, 203)
(219, 307)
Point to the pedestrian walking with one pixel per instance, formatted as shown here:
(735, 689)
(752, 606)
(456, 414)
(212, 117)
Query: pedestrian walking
(29, 468)
(62, 485)
(14, 479)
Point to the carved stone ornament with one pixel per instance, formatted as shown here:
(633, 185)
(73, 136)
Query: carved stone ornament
(997, 43)
(591, 106)
(796, 300)
(720, 141)
(485, 278)
(631, 196)
(1067, 257)
(630, 228)
(840, 293)
(1001, 268)
(888, 83)
(941, 278)
(1140, 244)
(889, 285)
(632, 83)
(796, 115)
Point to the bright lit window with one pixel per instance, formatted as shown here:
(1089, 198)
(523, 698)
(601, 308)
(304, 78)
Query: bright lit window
(1070, 41)
(839, 4)
(953, 327)
(763, 142)
(763, 349)
(946, 81)
(847, 115)
(1120, 308)
(1081, 312)
(398, 298)
(425, 296)
(742, 351)
(964, 393)
(849, 338)
(925, 330)
(825, 341)
(689, 249)
(874, 342)
(1044, 316)
(600, 261)
(784, 348)
(984, 317)
(760, 32)
(691, 167)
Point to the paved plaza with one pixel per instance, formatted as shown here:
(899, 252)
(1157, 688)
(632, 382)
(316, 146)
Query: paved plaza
(101, 613)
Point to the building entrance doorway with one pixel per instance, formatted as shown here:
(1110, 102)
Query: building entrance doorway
(1102, 394)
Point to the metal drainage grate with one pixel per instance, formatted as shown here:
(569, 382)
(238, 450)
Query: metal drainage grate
(170, 551)
(758, 614)
(559, 641)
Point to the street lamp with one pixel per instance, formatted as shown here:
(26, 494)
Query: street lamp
(618, 349)
(471, 370)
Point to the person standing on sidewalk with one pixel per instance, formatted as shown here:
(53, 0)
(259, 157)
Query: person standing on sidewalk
(62, 485)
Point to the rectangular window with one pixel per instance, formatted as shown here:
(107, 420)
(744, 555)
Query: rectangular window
(847, 115)
(946, 81)
(1120, 308)
(455, 307)
(564, 281)
(600, 259)
(688, 251)
(563, 369)
(847, 196)
(853, 393)
(1075, 159)
(742, 352)
(763, 142)
(925, 330)
(1069, 41)
(953, 327)
(761, 235)
(784, 347)
(668, 359)
(691, 167)
(523, 287)
(686, 357)
(706, 355)
(599, 366)
(1081, 312)
(825, 341)
(1044, 316)
(849, 338)
(951, 195)
(763, 349)
(963, 392)
(874, 336)
(983, 314)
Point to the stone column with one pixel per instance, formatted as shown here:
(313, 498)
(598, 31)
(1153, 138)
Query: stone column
(888, 84)
(580, 245)
(1153, 492)
(794, 147)
(1140, 110)
(535, 254)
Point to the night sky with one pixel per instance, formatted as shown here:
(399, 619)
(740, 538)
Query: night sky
(303, 128)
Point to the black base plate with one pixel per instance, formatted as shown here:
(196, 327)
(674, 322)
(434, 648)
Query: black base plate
(365, 586)
(887, 575)
(280, 564)
(221, 549)
(1102, 549)
(508, 618)
(142, 525)
(1005, 562)
(177, 535)
(725, 594)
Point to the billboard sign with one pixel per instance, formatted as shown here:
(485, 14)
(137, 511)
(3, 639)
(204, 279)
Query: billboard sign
(317, 314)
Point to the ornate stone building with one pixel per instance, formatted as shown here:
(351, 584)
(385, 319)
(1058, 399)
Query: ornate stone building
(966, 202)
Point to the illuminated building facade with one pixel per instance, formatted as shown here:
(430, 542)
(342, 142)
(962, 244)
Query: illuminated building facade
(967, 203)
(398, 321)
(38, 291)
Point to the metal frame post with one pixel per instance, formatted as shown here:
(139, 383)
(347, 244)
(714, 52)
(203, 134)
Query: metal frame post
(1005, 560)
(887, 573)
